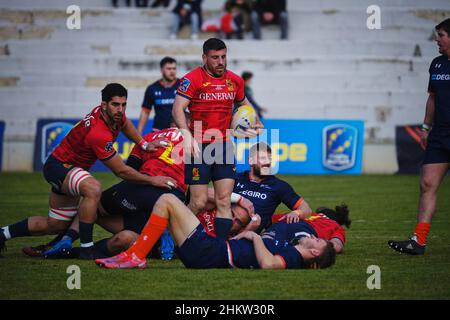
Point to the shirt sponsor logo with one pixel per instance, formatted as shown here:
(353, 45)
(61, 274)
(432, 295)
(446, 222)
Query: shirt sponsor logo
(128, 205)
(164, 101)
(254, 194)
(217, 96)
(185, 83)
(440, 77)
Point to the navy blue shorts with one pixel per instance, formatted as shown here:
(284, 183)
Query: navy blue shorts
(134, 202)
(55, 172)
(201, 251)
(216, 162)
(438, 147)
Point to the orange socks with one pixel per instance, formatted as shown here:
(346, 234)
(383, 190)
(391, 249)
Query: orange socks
(149, 236)
(422, 229)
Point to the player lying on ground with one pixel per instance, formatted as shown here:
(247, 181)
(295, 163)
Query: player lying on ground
(197, 249)
(265, 190)
(66, 169)
(326, 223)
(125, 207)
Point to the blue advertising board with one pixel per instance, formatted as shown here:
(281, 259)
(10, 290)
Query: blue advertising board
(2, 133)
(298, 146)
(309, 146)
(50, 132)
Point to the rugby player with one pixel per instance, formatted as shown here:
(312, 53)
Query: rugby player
(67, 170)
(326, 223)
(125, 207)
(197, 249)
(435, 139)
(160, 95)
(264, 190)
(210, 92)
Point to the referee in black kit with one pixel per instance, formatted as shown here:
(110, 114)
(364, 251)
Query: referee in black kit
(435, 139)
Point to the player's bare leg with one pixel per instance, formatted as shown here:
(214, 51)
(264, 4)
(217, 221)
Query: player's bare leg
(62, 210)
(199, 197)
(222, 195)
(90, 190)
(167, 209)
(430, 180)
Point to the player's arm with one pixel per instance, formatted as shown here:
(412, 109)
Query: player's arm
(337, 244)
(130, 131)
(179, 117)
(265, 258)
(428, 120)
(143, 118)
(302, 212)
(125, 172)
(254, 223)
(258, 126)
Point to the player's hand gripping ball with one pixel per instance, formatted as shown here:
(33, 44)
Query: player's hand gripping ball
(242, 122)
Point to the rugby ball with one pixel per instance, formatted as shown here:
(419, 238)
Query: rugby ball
(243, 119)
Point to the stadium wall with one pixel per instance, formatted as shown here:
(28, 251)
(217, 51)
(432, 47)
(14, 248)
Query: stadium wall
(332, 66)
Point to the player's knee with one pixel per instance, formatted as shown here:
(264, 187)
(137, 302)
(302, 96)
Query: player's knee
(223, 201)
(122, 241)
(56, 226)
(427, 185)
(198, 203)
(93, 189)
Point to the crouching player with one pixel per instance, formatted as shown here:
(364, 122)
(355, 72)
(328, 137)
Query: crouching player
(67, 170)
(197, 249)
(125, 207)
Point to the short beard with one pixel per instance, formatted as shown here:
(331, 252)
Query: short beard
(258, 173)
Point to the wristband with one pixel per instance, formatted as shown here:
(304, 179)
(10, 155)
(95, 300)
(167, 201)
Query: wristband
(425, 127)
(235, 198)
(143, 144)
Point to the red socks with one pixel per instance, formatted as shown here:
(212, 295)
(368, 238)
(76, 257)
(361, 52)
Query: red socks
(149, 236)
(422, 229)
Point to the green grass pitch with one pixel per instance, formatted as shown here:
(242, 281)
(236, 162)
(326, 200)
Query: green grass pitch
(381, 207)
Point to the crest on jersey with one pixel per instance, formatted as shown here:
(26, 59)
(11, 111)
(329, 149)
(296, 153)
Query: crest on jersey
(185, 83)
(52, 135)
(195, 174)
(339, 147)
(109, 147)
(230, 85)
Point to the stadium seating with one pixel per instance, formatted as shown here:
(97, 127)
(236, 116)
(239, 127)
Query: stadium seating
(332, 67)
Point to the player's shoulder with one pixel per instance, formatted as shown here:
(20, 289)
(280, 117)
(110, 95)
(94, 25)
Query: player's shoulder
(273, 179)
(233, 76)
(193, 74)
(154, 85)
(438, 59)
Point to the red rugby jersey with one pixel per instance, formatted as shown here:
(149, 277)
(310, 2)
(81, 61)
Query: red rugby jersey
(167, 161)
(207, 220)
(212, 101)
(90, 139)
(325, 227)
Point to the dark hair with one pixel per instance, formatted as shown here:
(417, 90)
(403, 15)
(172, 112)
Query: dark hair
(113, 90)
(166, 60)
(444, 25)
(260, 146)
(340, 215)
(246, 75)
(324, 260)
(213, 44)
